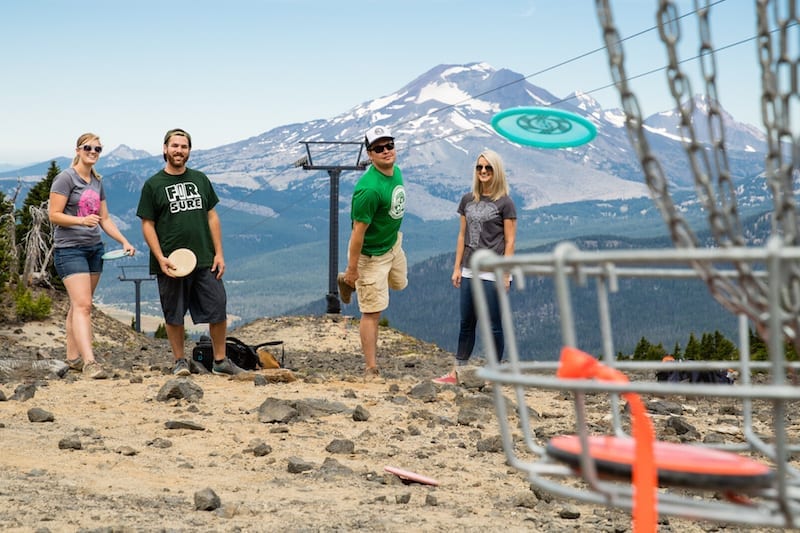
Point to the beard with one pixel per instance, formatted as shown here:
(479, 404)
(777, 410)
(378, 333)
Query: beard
(177, 161)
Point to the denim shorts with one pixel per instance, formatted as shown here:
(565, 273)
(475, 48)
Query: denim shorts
(79, 260)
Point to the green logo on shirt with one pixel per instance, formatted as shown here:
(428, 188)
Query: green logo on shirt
(398, 207)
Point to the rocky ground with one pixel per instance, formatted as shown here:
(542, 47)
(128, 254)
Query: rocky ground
(287, 451)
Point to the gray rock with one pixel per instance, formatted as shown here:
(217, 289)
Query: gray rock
(160, 443)
(569, 513)
(341, 446)
(491, 444)
(13, 369)
(680, 425)
(206, 500)
(127, 451)
(332, 468)
(24, 392)
(180, 388)
(71, 442)
(262, 449)
(360, 414)
(274, 410)
(424, 391)
(314, 407)
(183, 424)
(297, 465)
(36, 414)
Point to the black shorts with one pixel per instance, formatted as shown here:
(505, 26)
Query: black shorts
(200, 293)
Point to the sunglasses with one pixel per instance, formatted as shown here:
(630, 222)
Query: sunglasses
(382, 147)
(87, 148)
(479, 168)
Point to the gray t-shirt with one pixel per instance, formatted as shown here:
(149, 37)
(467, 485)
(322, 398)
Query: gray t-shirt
(485, 224)
(82, 199)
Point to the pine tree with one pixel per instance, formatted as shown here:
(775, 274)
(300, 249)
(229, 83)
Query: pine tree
(724, 349)
(8, 247)
(676, 351)
(758, 348)
(642, 350)
(693, 351)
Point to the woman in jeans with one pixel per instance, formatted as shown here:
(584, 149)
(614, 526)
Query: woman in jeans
(488, 221)
(77, 211)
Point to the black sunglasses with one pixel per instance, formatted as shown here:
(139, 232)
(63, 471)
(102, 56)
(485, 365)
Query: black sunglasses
(382, 147)
(87, 148)
(480, 168)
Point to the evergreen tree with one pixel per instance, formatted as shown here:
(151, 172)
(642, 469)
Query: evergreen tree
(8, 248)
(758, 348)
(656, 352)
(676, 351)
(724, 349)
(706, 347)
(642, 350)
(693, 351)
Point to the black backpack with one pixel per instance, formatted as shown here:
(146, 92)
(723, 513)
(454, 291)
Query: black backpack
(242, 355)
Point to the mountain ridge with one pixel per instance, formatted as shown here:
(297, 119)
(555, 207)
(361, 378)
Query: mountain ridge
(276, 216)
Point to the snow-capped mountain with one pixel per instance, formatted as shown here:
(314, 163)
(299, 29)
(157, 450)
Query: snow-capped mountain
(441, 121)
(275, 215)
(121, 154)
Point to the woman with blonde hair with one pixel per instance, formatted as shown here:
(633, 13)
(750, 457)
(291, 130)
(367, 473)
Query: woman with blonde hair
(488, 221)
(77, 211)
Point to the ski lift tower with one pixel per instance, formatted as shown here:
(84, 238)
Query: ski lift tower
(325, 150)
(134, 273)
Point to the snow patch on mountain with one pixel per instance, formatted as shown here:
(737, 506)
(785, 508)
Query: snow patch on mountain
(246, 207)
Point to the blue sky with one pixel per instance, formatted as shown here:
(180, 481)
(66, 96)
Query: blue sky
(227, 71)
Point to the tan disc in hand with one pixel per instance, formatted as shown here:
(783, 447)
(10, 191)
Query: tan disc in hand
(184, 261)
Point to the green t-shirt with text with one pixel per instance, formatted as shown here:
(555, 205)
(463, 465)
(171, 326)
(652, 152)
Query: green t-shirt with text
(380, 202)
(179, 207)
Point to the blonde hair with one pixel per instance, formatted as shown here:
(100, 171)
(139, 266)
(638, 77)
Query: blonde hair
(498, 186)
(83, 139)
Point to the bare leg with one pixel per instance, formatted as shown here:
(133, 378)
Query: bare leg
(80, 288)
(369, 338)
(176, 334)
(218, 332)
(73, 353)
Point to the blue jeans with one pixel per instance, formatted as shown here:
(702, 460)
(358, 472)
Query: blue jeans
(469, 320)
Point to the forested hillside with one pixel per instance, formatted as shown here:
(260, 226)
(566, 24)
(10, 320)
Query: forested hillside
(663, 311)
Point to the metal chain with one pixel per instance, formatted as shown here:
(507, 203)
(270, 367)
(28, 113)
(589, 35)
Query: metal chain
(779, 83)
(747, 294)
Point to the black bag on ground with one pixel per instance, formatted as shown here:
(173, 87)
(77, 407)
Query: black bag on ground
(242, 355)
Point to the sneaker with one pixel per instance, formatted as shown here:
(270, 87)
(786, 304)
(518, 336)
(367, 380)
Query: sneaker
(76, 365)
(226, 367)
(345, 290)
(372, 374)
(93, 370)
(447, 379)
(181, 367)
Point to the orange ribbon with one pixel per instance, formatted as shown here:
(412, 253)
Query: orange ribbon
(576, 364)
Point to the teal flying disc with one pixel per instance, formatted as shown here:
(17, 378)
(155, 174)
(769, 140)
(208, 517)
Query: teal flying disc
(544, 127)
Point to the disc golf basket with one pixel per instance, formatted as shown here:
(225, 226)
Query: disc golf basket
(750, 482)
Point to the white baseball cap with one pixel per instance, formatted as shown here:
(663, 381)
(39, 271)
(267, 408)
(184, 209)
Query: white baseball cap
(375, 133)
